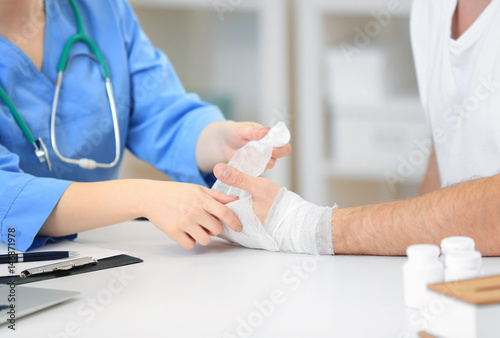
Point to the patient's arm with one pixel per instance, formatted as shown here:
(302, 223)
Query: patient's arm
(468, 209)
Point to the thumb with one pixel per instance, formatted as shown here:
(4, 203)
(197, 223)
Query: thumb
(253, 131)
(233, 177)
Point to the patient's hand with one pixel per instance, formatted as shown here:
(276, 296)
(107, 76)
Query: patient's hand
(293, 224)
(263, 191)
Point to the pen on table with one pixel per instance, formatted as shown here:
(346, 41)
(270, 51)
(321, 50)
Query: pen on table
(36, 256)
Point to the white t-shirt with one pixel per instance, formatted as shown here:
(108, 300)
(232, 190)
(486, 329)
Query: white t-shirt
(459, 84)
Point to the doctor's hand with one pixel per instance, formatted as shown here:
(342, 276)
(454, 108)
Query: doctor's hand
(187, 213)
(219, 141)
(263, 191)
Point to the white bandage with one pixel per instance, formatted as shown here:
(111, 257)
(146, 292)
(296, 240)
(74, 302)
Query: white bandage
(292, 224)
(300, 226)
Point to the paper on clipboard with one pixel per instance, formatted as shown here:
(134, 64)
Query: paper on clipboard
(82, 249)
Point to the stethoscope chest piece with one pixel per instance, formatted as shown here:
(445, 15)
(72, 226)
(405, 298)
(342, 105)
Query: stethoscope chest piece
(42, 153)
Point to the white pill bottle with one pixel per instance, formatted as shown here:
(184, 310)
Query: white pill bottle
(422, 268)
(456, 244)
(461, 260)
(462, 265)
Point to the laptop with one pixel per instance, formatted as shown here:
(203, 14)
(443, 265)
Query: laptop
(27, 300)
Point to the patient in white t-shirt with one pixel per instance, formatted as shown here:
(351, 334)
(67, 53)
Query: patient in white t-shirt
(456, 45)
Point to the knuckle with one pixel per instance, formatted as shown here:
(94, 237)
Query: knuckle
(207, 202)
(237, 179)
(191, 214)
(200, 200)
(170, 232)
(185, 209)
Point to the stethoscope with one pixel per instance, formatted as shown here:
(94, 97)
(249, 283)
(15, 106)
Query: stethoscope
(40, 148)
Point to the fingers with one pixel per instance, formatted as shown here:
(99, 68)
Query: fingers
(282, 151)
(278, 153)
(220, 197)
(193, 232)
(221, 211)
(185, 240)
(188, 213)
(234, 178)
(209, 226)
(271, 164)
(255, 186)
(212, 225)
(199, 235)
(252, 130)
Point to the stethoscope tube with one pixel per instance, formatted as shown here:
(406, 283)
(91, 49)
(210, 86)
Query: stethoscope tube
(38, 144)
(86, 163)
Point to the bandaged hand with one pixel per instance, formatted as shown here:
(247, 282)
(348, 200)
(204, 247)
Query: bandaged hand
(274, 218)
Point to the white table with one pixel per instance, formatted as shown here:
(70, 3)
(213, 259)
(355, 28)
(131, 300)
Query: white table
(213, 291)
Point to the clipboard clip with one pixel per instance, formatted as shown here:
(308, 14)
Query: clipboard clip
(63, 266)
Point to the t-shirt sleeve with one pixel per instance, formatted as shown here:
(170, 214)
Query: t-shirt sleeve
(165, 121)
(27, 202)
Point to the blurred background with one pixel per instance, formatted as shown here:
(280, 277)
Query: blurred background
(339, 73)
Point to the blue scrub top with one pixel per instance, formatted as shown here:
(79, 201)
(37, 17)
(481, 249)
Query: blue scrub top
(159, 122)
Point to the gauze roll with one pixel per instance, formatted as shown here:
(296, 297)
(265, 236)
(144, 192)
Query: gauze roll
(254, 156)
(292, 224)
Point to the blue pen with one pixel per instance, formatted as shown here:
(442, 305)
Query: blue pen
(36, 256)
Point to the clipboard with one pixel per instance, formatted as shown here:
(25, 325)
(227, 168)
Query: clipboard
(101, 264)
(64, 266)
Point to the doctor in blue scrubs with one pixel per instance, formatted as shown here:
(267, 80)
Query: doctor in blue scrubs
(48, 189)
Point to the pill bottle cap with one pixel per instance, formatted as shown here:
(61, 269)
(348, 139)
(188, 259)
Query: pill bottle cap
(463, 260)
(422, 252)
(457, 243)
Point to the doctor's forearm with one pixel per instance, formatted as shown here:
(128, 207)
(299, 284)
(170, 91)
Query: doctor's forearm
(86, 206)
(187, 213)
(469, 209)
